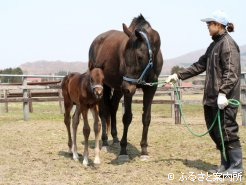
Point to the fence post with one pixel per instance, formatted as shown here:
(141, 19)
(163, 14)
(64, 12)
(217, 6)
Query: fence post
(25, 99)
(30, 101)
(243, 98)
(172, 105)
(176, 107)
(60, 101)
(5, 96)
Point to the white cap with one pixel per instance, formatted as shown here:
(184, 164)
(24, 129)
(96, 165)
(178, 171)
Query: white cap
(218, 16)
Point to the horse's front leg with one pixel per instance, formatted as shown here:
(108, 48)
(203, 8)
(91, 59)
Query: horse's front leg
(86, 132)
(75, 126)
(149, 93)
(115, 100)
(127, 118)
(97, 130)
(104, 114)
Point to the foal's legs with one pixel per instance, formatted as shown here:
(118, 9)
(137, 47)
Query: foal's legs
(97, 130)
(68, 105)
(86, 132)
(75, 126)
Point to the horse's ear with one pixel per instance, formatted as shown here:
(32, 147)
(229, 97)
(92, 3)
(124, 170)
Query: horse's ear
(126, 30)
(99, 66)
(91, 66)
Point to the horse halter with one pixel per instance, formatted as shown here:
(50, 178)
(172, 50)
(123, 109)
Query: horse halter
(149, 66)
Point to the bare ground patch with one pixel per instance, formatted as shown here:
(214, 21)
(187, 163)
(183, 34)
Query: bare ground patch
(35, 152)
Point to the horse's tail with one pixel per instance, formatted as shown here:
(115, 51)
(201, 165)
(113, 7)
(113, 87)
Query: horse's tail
(64, 82)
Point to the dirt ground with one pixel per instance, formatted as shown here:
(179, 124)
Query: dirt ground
(35, 152)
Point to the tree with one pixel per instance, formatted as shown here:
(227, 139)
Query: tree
(62, 73)
(176, 69)
(16, 71)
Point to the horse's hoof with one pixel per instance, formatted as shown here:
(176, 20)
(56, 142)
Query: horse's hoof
(104, 148)
(123, 158)
(75, 157)
(116, 141)
(105, 143)
(85, 163)
(115, 144)
(97, 161)
(144, 157)
(69, 151)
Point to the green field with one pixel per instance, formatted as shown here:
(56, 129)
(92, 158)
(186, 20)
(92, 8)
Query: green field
(35, 152)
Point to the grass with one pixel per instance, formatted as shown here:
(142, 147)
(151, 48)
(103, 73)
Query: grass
(35, 152)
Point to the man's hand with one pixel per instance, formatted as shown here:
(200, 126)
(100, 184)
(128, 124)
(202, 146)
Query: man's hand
(172, 78)
(222, 101)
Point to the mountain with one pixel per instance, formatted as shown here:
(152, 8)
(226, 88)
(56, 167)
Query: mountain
(189, 58)
(183, 60)
(243, 50)
(52, 67)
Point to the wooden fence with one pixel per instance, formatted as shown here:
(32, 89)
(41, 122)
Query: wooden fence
(27, 93)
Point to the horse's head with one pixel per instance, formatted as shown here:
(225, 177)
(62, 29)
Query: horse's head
(140, 53)
(96, 82)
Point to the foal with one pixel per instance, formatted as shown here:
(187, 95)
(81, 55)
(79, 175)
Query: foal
(84, 91)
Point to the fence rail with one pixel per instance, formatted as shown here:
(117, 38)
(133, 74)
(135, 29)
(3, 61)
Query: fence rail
(28, 92)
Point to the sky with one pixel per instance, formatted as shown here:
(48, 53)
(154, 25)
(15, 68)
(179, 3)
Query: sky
(32, 30)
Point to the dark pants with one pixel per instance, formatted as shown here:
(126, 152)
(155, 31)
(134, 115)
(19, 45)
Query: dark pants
(228, 124)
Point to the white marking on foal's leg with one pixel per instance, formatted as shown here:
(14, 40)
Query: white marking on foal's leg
(97, 158)
(86, 160)
(86, 132)
(105, 149)
(97, 130)
(75, 126)
(75, 153)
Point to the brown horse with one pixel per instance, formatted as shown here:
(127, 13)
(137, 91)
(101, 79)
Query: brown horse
(84, 91)
(130, 59)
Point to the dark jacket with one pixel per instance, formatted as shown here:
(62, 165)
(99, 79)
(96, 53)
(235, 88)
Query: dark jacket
(222, 65)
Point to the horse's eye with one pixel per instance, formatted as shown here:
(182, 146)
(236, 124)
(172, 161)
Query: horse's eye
(139, 58)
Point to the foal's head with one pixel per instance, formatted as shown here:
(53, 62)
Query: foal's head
(96, 82)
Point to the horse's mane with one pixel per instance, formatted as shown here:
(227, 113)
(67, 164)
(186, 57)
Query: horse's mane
(138, 23)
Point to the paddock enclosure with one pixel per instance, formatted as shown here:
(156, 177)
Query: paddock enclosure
(35, 152)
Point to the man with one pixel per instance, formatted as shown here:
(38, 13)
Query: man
(222, 65)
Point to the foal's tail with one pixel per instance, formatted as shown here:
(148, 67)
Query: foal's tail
(64, 85)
